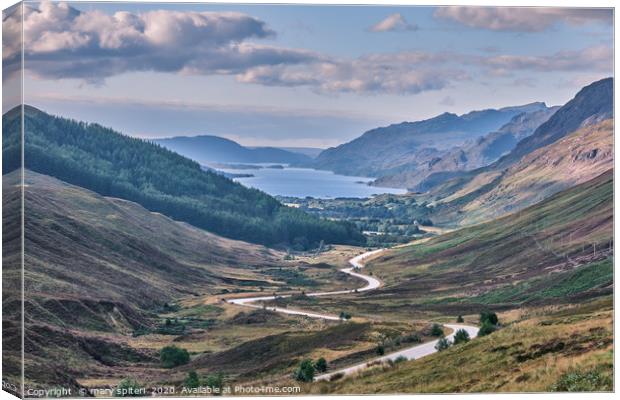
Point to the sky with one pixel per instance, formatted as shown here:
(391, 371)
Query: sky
(292, 75)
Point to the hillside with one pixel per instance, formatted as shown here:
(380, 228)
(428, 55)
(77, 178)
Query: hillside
(207, 149)
(554, 251)
(591, 105)
(113, 164)
(471, 155)
(574, 159)
(383, 151)
(539, 350)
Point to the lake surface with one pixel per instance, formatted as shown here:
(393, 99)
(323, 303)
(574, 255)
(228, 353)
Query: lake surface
(304, 182)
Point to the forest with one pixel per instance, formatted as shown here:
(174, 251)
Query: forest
(112, 164)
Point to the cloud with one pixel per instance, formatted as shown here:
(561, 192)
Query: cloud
(523, 19)
(595, 58)
(389, 73)
(62, 42)
(393, 23)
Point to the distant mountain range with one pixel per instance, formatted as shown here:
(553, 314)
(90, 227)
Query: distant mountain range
(574, 145)
(408, 146)
(207, 149)
(473, 154)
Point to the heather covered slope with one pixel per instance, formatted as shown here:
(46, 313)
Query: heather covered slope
(113, 164)
(555, 251)
(572, 160)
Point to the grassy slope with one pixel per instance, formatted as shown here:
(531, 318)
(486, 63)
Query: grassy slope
(530, 354)
(98, 269)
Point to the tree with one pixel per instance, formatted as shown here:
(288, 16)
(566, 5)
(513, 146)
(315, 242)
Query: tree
(192, 380)
(215, 382)
(461, 336)
(380, 350)
(345, 315)
(486, 329)
(321, 365)
(436, 330)
(442, 344)
(488, 316)
(305, 372)
(173, 356)
(459, 319)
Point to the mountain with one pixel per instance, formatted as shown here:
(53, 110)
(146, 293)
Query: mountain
(112, 164)
(311, 152)
(572, 160)
(471, 155)
(383, 151)
(592, 104)
(512, 183)
(213, 149)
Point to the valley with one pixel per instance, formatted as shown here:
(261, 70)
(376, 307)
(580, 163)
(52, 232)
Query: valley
(147, 269)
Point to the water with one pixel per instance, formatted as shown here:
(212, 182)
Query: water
(304, 182)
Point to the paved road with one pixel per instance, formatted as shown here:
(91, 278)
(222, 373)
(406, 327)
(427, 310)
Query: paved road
(356, 262)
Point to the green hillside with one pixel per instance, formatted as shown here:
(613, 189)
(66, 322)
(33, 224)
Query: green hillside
(113, 164)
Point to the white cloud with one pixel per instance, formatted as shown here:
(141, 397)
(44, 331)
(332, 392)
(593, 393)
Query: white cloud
(392, 73)
(523, 19)
(598, 58)
(393, 23)
(62, 42)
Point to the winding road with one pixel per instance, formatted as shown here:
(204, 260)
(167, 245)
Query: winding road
(356, 262)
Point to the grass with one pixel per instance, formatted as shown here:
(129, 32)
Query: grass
(528, 355)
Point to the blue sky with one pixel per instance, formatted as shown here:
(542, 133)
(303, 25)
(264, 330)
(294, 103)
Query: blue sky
(301, 75)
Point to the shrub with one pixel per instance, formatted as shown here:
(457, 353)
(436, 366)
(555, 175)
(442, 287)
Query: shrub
(173, 356)
(461, 336)
(442, 344)
(321, 365)
(460, 319)
(436, 330)
(215, 382)
(305, 372)
(486, 329)
(580, 381)
(345, 315)
(129, 388)
(400, 359)
(380, 350)
(192, 380)
(488, 316)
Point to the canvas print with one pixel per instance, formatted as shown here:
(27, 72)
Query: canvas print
(258, 199)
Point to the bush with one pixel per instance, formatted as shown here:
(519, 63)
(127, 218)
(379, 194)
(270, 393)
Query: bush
(129, 388)
(579, 381)
(173, 356)
(461, 336)
(400, 359)
(442, 344)
(380, 350)
(459, 319)
(215, 382)
(305, 372)
(192, 380)
(436, 330)
(486, 329)
(488, 316)
(345, 315)
(321, 365)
